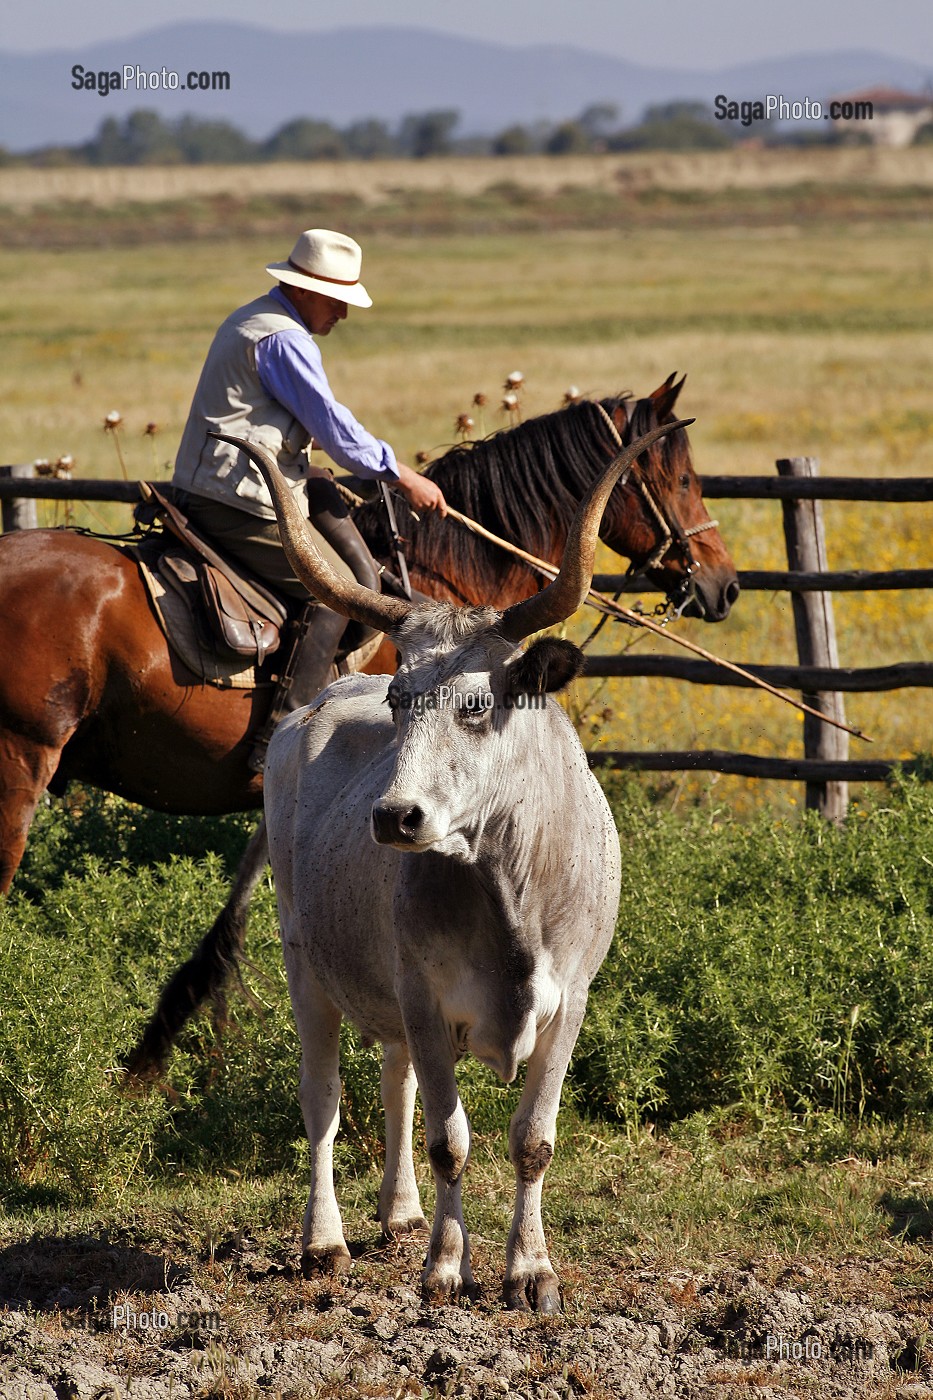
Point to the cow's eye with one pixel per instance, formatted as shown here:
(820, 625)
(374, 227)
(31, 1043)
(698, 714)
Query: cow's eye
(473, 717)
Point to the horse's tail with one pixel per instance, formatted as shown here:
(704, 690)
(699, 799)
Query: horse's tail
(203, 976)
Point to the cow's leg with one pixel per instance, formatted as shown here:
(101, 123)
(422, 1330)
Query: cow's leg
(26, 769)
(323, 1247)
(530, 1281)
(399, 1202)
(447, 1271)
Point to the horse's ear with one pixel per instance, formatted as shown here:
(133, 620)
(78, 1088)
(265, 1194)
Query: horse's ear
(665, 396)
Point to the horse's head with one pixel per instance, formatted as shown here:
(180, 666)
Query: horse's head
(658, 519)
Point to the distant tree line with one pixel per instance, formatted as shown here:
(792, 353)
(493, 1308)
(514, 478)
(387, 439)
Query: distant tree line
(145, 138)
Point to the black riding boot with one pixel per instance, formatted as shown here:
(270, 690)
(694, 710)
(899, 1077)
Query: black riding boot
(308, 672)
(309, 667)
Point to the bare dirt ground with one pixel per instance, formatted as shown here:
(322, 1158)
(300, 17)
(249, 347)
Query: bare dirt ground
(373, 181)
(238, 1321)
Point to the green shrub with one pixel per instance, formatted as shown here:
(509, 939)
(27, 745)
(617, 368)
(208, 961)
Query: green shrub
(757, 968)
(767, 964)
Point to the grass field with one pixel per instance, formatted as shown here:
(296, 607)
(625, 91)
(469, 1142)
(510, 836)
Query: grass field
(742, 168)
(802, 315)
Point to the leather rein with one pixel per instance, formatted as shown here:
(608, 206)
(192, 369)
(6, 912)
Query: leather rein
(672, 535)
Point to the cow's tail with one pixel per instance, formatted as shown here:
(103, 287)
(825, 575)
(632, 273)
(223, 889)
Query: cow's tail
(204, 975)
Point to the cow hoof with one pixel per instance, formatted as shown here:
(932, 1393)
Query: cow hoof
(439, 1289)
(407, 1226)
(327, 1262)
(533, 1293)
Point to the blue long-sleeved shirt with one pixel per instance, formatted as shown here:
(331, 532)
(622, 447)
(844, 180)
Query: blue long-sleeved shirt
(291, 370)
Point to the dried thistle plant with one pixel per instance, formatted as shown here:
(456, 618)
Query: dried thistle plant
(112, 425)
(150, 431)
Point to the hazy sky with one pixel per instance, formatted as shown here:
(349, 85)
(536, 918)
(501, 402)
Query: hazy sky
(672, 33)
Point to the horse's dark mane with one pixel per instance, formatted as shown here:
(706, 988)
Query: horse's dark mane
(523, 483)
(527, 476)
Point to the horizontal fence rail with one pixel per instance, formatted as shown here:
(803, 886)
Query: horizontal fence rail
(786, 581)
(765, 488)
(860, 679)
(42, 488)
(750, 765)
(819, 488)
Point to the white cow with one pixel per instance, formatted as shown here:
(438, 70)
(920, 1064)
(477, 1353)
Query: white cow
(447, 873)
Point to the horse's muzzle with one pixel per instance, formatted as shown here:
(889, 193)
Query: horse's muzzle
(712, 601)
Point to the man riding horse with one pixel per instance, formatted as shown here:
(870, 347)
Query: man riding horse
(264, 380)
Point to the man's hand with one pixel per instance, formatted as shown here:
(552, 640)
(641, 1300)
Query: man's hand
(419, 491)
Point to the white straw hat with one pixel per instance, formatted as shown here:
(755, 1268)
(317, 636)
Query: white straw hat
(325, 262)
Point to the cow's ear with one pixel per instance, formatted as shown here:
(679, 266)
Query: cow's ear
(547, 665)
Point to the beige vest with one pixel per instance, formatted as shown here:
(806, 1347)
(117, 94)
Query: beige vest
(230, 398)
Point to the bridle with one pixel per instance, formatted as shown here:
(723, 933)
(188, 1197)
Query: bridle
(671, 533)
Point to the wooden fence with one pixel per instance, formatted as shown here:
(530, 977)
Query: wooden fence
(825, 767)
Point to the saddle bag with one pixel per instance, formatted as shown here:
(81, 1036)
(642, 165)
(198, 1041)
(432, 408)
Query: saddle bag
(241, 616)
(238, 627)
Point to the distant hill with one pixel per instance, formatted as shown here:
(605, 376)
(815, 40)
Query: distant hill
(386, 72)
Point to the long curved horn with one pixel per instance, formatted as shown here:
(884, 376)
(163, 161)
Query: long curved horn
(567, 591)
(350, 599)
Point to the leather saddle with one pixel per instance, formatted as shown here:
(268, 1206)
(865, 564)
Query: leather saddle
(239, 616)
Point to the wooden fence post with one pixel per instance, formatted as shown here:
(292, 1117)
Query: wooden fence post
(18, 514)
(815, 627)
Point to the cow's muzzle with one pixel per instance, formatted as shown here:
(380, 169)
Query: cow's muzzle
(398, 824)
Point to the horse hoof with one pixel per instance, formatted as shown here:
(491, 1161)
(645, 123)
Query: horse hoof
(316, 1263)
(140, 1072)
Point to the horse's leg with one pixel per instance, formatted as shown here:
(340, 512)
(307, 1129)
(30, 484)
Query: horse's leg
(204, 974)
(26, 768)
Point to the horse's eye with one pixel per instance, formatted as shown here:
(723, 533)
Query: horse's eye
(685, 482)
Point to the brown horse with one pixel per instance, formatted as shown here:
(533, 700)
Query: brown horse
(90, 692)
(555, 458)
